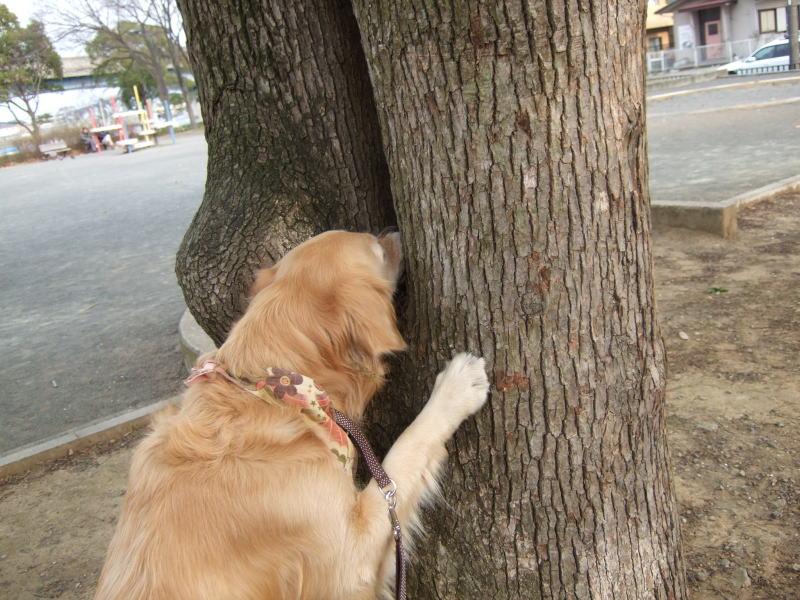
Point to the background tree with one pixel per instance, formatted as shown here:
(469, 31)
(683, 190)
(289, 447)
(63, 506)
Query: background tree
(116, 65)
(27, 60)
(144, 33)
(514, 137)
(165, 13)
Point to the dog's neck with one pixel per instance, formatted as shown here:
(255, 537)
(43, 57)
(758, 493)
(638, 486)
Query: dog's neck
(291, 327)
(350, 386)
(278, 387)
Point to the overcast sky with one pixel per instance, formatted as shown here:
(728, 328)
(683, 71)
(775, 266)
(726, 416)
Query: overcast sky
(27, 9)
(24, 9)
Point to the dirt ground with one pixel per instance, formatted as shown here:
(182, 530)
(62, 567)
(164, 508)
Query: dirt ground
(734, 400)
(731, 320)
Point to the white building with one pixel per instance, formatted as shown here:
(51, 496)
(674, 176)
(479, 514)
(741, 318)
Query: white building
(707, 22)
(707, 32)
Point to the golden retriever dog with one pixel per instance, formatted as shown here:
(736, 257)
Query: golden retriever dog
(234, 496)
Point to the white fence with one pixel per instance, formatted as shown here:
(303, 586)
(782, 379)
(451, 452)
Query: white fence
(699, 56)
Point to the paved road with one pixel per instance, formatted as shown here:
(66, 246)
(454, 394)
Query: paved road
(726, 95)
(90, 303)
(725, 80)
(719, 143)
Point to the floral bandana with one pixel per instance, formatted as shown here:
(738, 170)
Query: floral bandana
(290, 389)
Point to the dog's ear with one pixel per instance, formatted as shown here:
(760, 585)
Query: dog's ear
(370, 323)
(264, 277)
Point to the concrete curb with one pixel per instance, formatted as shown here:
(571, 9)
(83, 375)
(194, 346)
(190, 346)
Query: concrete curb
(716, 217)
(738, 107)
(741, 84)
(712, 217)
(34, 455)
(668, 81)
(194, 342)
(784, 185)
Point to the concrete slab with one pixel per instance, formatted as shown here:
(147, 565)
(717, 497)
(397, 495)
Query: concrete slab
(715, 217)
(715, 156)
(194, 342)
(89, 297)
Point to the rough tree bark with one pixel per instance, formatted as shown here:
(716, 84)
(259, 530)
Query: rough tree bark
(515, 140)
(294, 145)
(516, 146)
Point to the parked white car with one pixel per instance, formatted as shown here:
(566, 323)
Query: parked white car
(774, 55)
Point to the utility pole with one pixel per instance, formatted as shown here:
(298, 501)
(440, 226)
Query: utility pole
(791, 21)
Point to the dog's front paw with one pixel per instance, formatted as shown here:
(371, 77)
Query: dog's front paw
(463, 384)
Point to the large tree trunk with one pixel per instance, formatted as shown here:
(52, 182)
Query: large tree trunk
(293, 142)
(515, 140)
(516, 147)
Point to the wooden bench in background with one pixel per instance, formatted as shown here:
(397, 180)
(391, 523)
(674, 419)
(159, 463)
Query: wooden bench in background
(56, 149)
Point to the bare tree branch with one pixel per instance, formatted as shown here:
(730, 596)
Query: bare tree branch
(139, 30)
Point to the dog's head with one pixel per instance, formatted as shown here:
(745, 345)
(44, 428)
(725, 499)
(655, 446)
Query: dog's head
(325, 310)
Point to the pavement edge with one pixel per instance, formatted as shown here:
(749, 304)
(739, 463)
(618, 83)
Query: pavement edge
(193, 342)
(37, 454)
(716, 217)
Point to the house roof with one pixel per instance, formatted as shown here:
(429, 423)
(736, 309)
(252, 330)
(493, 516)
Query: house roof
(689, 5)
(77, 66)
(656, 21)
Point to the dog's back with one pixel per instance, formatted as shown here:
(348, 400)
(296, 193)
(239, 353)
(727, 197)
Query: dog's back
(220, 504)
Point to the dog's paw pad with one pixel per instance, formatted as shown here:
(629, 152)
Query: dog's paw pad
(465, 381)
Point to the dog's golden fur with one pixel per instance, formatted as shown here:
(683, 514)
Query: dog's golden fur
(233, 498)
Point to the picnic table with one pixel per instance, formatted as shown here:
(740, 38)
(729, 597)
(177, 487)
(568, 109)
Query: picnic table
(106, 128)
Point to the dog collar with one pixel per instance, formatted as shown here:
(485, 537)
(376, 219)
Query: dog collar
(286, 388)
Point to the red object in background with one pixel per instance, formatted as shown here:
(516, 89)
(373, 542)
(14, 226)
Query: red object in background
(123, 134)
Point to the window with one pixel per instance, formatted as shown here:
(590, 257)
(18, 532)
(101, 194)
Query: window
(767, 21)
(764, 53)
(782, 50)
(655, 44)
(773, 19)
